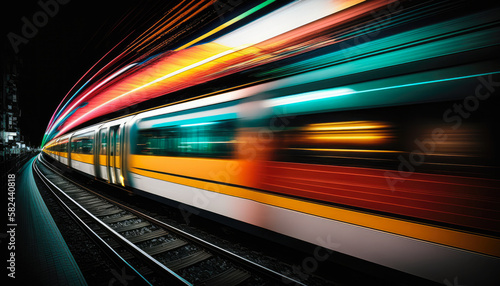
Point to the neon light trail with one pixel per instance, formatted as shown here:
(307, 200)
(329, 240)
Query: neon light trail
(373, 122)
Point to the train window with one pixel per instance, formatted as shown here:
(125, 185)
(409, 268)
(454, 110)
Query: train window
(339, 139)
(117, 142)
(208, 139)
(82, 144)
(103, 137)
(63, 146)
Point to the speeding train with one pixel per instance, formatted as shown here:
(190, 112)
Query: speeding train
(390, 158)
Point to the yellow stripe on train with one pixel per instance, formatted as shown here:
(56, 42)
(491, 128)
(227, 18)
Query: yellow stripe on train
(84, 158)
(201, 168)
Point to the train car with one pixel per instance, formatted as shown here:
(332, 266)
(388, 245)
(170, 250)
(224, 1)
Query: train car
(95, 150)
(377, 157)
(81, 151)
(108, 156)
(58, 149)
(332, 175)
(313, 172)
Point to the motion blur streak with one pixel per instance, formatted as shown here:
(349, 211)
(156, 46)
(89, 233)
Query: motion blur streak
(347, 132)
(368, 122)
(93, 89)
(176, 63)
(283, 20)
(227, 24)
(59, 110)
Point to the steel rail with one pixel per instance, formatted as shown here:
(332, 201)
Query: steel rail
(167, 273)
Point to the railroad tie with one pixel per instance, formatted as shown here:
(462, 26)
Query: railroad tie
(131, 226)
(165, 246)
(231, 276)
(148, 236)
(188, 260)
(119, 218)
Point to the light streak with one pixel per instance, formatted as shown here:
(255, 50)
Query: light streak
(172, 22)
(209, 59)
(227, 24)
(347, 137)
(73, 96)
(345, 125)
(346, 150)
(288, 12)
(283, 20)
(198, 124)
(329, 93)
(92, 90)
(308, 96)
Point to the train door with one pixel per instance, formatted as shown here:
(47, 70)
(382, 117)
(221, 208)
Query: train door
(67, 149)
(102, 154)
(114, 155)
(58, 153)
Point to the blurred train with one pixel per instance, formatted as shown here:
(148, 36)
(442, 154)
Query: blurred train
(391, 158)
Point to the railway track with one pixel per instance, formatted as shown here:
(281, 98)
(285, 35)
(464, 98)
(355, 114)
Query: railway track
(151, 249)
